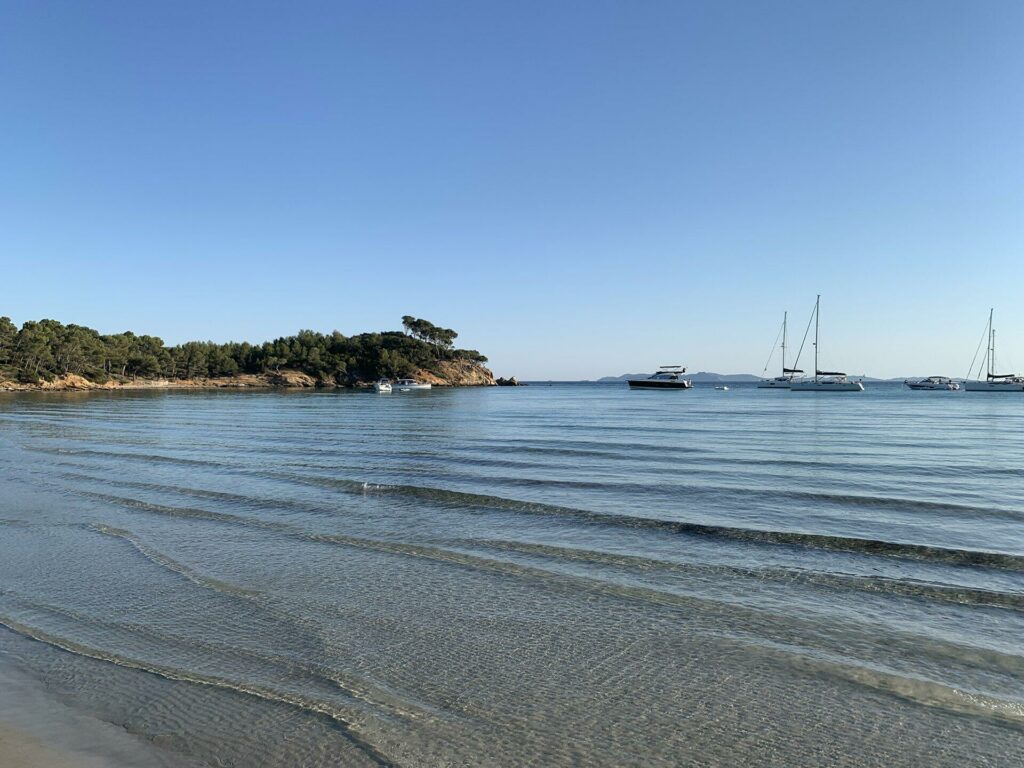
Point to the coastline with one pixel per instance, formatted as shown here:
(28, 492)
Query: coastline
(450, 374)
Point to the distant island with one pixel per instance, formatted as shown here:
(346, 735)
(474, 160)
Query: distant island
(705, 376)
(48, 355)
(699, 376)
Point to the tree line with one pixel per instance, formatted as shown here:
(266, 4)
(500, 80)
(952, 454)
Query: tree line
(45, 349)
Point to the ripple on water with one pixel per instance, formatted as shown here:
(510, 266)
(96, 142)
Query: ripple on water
(558, 576)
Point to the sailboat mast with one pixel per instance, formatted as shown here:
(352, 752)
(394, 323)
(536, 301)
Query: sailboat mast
(784, 343)
(817, 319)
(991, 345)
(993, 364)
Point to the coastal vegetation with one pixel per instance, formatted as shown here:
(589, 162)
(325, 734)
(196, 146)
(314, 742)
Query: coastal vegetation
(45, 350)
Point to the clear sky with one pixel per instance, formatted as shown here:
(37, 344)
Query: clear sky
(580, 188)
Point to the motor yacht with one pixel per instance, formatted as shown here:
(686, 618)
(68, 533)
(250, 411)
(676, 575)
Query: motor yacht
(406, 385)
(667, 377)
(933, 382)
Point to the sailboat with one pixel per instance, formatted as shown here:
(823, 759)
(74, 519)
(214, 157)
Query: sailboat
(994, 382)
(824, 381)
(783, 381)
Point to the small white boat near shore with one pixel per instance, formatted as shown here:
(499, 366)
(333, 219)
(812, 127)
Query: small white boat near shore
(933, 383)
(408, 385)
(382, 386)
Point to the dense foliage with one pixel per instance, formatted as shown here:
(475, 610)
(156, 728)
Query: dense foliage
(47, 348)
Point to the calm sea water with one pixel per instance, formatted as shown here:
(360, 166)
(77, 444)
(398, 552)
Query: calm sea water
(549, 575)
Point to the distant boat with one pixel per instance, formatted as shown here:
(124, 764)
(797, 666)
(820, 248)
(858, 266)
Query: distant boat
(783, 381)
(667, 377)
(824, 381)
(724, 388)
(933, 382)
(406, 385)
(994, 382)
(382, 386)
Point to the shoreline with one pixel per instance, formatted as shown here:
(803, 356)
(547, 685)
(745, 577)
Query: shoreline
(277, 380)
(38, 730)
(21, 748)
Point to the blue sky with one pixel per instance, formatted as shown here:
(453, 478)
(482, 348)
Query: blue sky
(579, 188)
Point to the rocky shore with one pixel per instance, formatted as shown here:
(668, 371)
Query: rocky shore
(453, 373)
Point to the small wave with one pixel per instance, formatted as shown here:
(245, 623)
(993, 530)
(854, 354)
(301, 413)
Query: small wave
(463, 500)
(742, 494)
(951, 593)
(357, 692)
(954, 556)
(158, 558)
(340, 719)
(148, 458)
(916, 689)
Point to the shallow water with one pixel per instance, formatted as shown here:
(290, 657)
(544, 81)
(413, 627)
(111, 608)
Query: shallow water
(557, 575)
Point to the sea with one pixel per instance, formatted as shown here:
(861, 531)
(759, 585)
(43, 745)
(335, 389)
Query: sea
(548, 575)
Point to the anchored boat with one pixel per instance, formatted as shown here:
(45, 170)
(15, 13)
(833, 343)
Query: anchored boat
(667, 377)
(406, 385)
(933, 382)
(382, 386)
(994, 382)
(824, 381)
(783, 381)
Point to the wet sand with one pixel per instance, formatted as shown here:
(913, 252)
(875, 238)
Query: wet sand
(21, 750)
(37, 730)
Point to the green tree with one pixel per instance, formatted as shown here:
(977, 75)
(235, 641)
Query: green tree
(8, 337)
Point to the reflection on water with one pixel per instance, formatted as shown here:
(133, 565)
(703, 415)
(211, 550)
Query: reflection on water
(550, 575)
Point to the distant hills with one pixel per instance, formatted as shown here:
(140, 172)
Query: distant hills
(707, 376)
(699, 376)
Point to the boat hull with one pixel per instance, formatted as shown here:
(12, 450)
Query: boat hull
(776, 383)
(934, 387)
(826, 386)
(994, 386)
(653, 384)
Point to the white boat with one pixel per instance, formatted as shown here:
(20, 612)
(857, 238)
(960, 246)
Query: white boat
(1007, 384)
(667, 377)
(783, 381)
(824, 381)
(723, 388)
(407, 385)
(827, 383)
(779, 382)
(994, 382)
(933, 382)
(382, 386)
